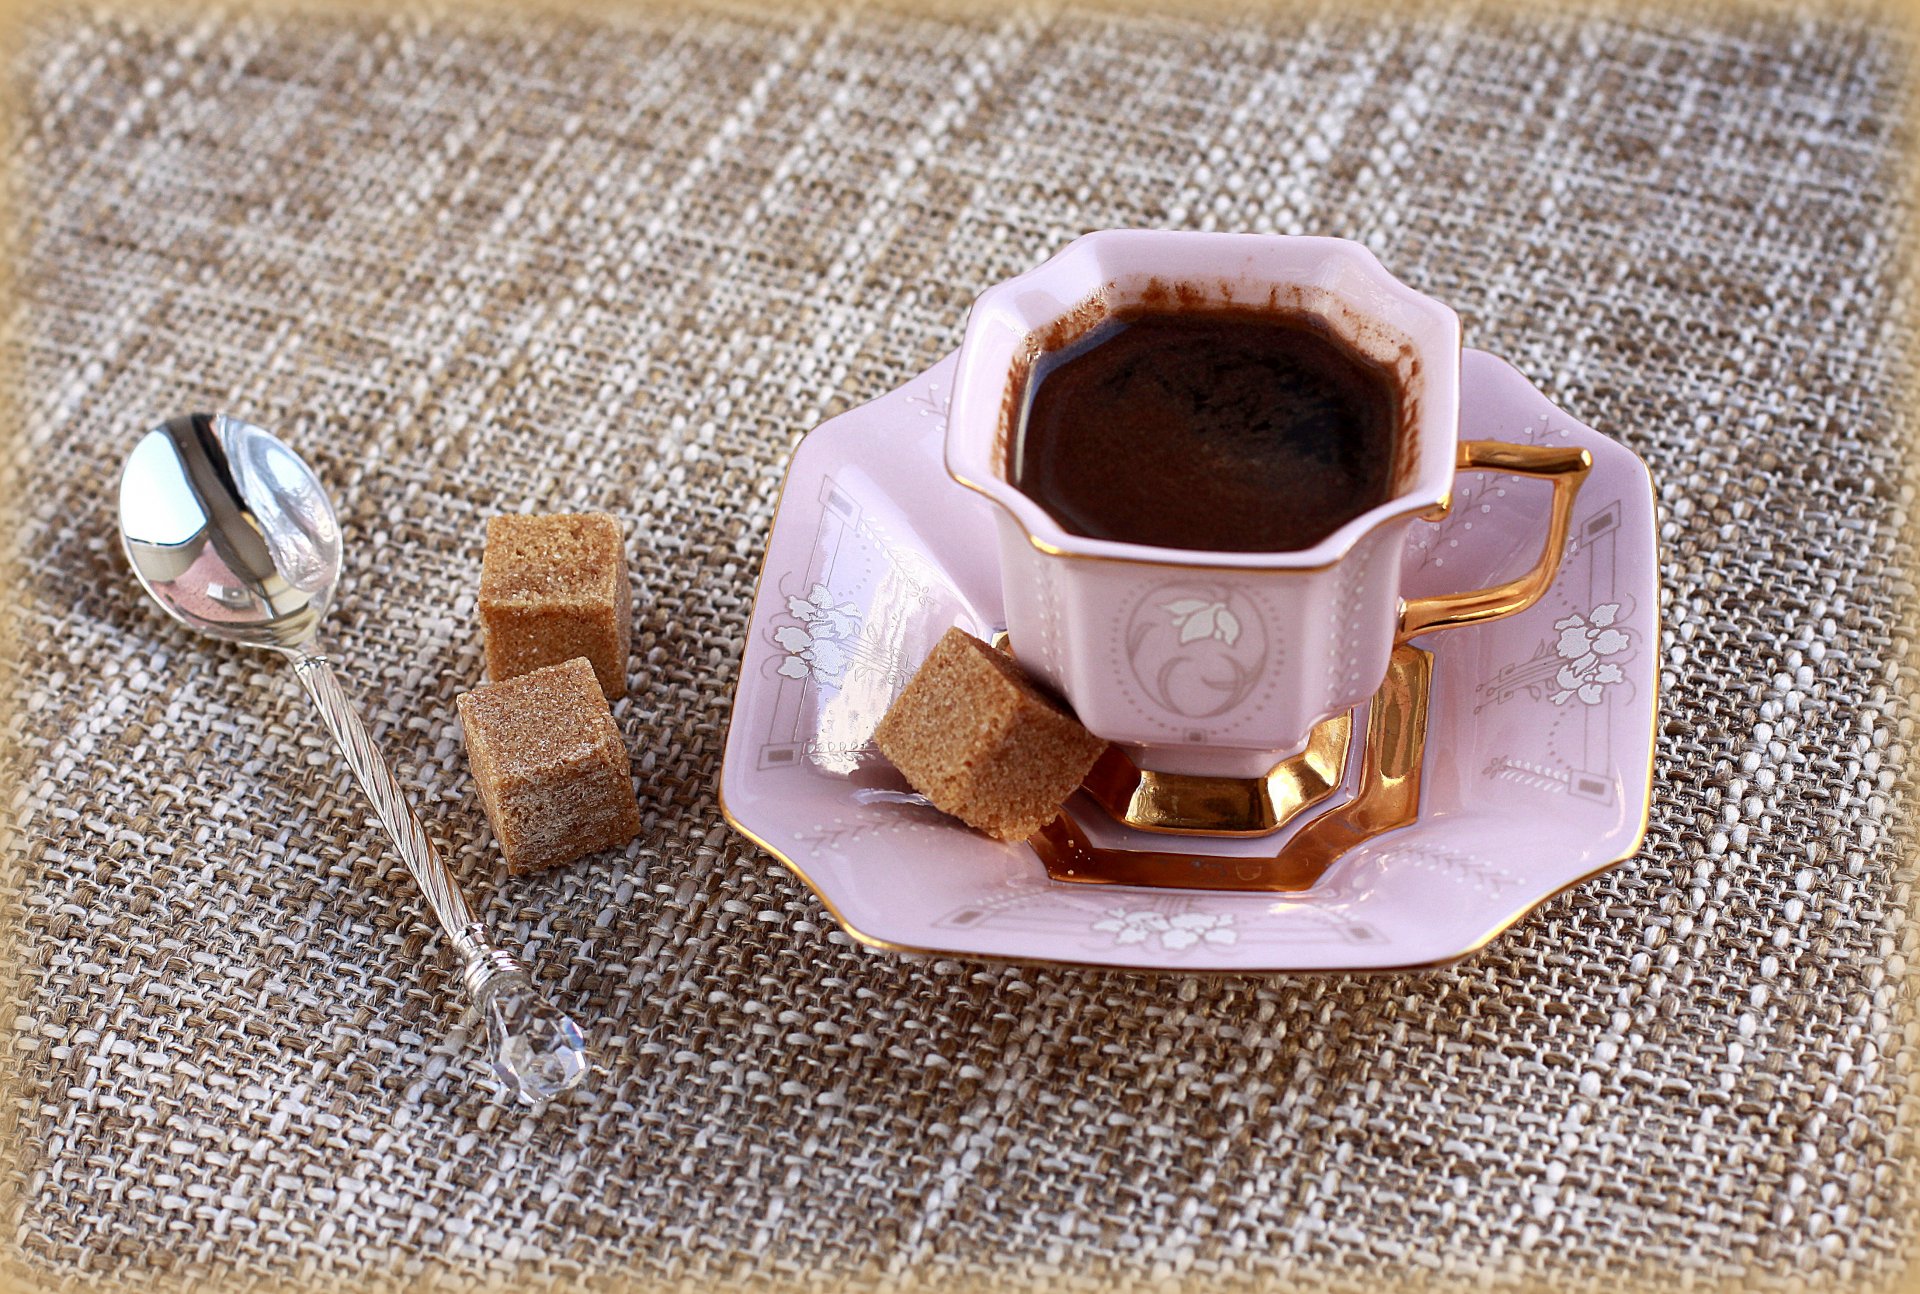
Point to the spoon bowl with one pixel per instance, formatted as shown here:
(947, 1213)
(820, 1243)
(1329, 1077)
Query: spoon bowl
(229, 530)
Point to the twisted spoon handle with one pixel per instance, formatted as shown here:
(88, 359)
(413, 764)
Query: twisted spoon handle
(538, 1051)
(389, 801)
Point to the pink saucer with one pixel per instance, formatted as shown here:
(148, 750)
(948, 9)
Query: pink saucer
(1538, 767)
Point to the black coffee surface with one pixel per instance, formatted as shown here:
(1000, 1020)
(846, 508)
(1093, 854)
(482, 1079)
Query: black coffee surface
(1228, 430)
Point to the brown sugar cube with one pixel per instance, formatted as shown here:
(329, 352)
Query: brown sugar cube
(972, 734)
(555, 587)
(553, 774)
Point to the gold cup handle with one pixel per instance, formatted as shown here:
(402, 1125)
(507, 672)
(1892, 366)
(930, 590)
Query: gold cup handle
(1567, 469)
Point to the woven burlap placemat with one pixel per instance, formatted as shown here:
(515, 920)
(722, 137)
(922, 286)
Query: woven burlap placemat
(473, 264)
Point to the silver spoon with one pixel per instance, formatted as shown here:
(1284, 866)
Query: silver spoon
(232, 534)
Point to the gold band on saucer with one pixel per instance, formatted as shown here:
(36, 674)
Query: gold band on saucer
(1388, 796)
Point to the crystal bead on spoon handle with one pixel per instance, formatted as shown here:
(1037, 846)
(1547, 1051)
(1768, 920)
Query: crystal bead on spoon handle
(536, 1049)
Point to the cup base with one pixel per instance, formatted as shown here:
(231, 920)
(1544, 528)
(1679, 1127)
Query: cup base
(1387, 796)
(1221, 797)
(1193, 804)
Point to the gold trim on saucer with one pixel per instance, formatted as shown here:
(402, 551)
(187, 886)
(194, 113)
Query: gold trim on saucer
(1191, 805)
(1388, 796)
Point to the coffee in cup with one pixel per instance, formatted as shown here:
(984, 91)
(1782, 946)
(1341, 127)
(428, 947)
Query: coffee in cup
(1217, 429)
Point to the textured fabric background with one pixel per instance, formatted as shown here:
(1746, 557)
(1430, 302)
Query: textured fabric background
(474, 264)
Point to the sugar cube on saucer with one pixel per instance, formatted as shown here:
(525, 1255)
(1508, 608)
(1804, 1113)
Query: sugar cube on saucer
(554, 776)
(553, 588)
(975, 736)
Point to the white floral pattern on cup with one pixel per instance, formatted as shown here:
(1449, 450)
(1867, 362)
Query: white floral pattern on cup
(1196, 618)
(1197, 648)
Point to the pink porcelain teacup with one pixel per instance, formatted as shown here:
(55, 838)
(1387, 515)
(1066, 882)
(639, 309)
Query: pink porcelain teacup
(1221, 663)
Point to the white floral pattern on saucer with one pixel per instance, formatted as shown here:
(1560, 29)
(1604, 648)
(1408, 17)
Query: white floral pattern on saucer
(1538, 762)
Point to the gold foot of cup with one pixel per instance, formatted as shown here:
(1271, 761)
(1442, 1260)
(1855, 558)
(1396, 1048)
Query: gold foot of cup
(1388, 796)
(1183, 804)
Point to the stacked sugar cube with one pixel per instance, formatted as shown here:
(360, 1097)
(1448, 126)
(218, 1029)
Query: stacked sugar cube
(553, 774)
